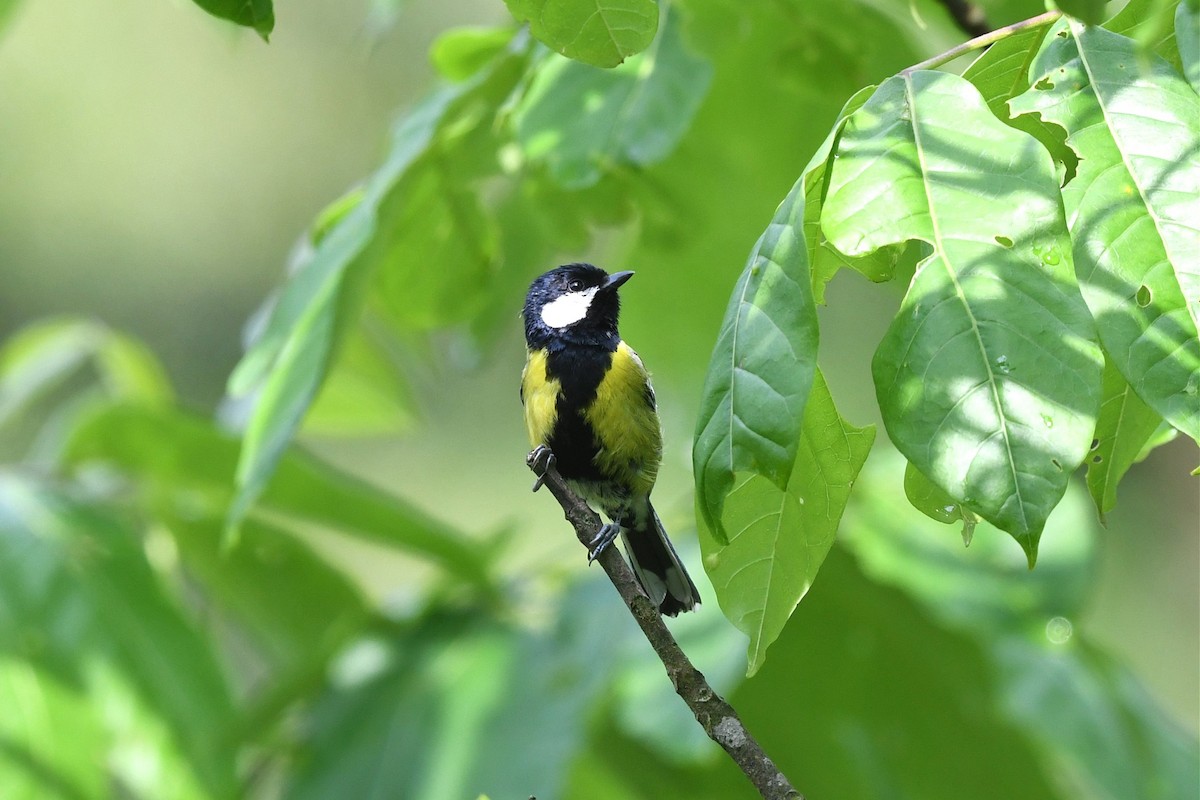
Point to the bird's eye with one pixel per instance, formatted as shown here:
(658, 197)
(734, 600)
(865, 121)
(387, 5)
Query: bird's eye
(575, 285)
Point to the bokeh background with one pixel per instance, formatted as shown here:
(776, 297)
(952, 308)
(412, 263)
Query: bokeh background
(156, 167)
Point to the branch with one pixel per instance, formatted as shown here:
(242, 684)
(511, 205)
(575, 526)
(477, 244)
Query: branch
(716, 716)
(968, 16)
(980, 42)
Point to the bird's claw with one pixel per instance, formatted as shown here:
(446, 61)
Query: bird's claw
(603, 538)
(541, 460)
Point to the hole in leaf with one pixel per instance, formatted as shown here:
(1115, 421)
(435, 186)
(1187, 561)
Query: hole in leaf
(1057, 465)
(1061, 34)
(1097, 459)
(1004, 241)
(1143, 296)
(1095, 444)
(1044, 84)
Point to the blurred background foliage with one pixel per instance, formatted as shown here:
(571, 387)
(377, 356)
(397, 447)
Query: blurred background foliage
(400, 618)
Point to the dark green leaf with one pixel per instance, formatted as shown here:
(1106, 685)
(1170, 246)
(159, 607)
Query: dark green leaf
(256, 14)
(176, 451)
(582, 121)
(1090, 11)
(1122, 432)
(602, 33)
(778, 539)
(761, 370)
(988, 378)
(934, 503)
(1133, 207)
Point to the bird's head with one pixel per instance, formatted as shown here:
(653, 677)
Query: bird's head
(576, 303)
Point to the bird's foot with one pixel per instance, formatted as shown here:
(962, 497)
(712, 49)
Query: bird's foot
(603, 538)
(541, 459)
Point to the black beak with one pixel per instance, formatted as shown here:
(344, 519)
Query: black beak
(615, 280)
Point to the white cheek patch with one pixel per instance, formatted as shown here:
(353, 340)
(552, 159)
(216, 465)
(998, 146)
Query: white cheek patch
(568, 309)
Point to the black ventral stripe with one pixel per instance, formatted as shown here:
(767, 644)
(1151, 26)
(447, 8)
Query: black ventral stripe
(579, 371)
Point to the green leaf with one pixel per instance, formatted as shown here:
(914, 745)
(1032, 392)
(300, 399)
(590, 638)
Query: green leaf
(824, 259)
(934, 503)
(1134, 208)
(602, 33)
(461, 52)
(6, 9)
(581, 121)
(761, 371)
(1125, 426)
(778, 539)
(44, 356)
(988, 378)
(1002, 72)
(1187, 37)
(363, 394)
(176, 451)
(256, 14)
(136, 625)
(1150, 24)
(388, 231)
(295, 605)
(1090, 11)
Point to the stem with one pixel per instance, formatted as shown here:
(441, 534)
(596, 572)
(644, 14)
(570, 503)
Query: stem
(716, 716)
(980, 42)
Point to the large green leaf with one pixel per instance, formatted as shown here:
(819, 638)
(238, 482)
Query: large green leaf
(256, 14)
(1134, 208)
(778, 538)
(1126, 424)
(583, 121)
(602, 33)
(1090, 11)
(410, 216)
(761, 370)
(988, 378)
(185, 457)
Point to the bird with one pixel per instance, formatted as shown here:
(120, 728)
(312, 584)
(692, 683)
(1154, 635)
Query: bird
(587, 397)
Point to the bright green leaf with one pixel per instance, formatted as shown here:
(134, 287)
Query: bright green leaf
(825, 260)
(778, 539)
(582, 121)
(1187, 37)
(6, 9)
(1134, 208)
(256, 14)
(761, 370)
(1090, 11)
(176, 450)
(1150, 23)
(461, 52)
(934, 503)
(602, 33)
(1002, 72)
(362, 395)
(388, 231)
(1123, 430)
(988, 378)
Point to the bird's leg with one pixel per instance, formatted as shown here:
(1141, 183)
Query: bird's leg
(603, 538)
(541, 459)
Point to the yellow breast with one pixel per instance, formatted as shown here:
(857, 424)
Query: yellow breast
(539, 392)
(626, 423)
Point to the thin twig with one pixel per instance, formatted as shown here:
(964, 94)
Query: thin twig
(980, 42)
(716, 716)
(969, 17)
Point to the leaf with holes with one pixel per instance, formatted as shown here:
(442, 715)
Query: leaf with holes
(1134, 208)
(1122, 432)
(761, 369)
(602, 33)
(988, 378)
(778, 538)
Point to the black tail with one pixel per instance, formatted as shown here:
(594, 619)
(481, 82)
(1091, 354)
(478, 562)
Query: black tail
(658, 567)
